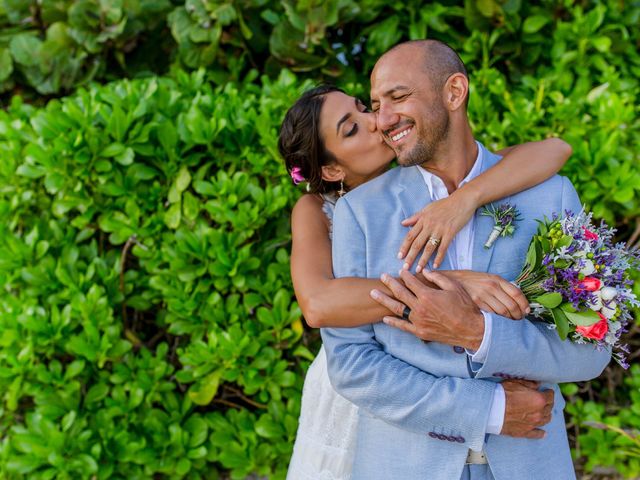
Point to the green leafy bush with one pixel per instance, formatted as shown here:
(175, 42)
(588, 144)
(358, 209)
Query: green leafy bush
(147, 325)
(55, 46)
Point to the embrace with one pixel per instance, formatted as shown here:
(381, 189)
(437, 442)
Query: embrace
(431, 367)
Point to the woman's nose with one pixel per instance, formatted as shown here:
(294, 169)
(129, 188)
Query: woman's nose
(372, 122)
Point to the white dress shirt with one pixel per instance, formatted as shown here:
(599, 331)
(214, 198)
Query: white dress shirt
(460, 255)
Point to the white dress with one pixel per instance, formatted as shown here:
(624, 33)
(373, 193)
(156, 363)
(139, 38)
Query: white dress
(326, 438)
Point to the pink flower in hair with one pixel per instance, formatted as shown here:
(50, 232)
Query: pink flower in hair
(296, 175)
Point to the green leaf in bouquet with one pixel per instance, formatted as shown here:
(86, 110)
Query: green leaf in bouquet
(531, 253)
(542, 229)
(562, 324)
(583, 319)
(565, 241)
(545, 244)
(549, 300)
(561, 263)
(538, 258)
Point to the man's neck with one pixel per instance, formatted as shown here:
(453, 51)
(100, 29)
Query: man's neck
(453, 162)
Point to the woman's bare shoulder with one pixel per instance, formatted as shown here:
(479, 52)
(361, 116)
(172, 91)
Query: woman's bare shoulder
(307, 204)
(308, 212)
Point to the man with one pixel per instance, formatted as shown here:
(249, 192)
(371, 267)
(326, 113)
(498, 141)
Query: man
(437, 410)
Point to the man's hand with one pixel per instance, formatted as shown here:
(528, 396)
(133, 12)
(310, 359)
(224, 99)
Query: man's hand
(526, 409)
(447, 316)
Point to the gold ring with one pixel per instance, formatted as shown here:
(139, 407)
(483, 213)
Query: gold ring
(434, 241)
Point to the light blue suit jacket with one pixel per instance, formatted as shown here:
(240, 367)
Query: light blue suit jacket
(422, 406)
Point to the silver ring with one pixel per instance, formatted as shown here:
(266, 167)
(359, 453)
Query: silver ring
(434, 241)
(406, 312)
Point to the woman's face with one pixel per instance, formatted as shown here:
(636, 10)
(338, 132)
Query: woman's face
(349, 132)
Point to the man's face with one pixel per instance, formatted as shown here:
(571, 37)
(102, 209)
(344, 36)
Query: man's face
(410, 114)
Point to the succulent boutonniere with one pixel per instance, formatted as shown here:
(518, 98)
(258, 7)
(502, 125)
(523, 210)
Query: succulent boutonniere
(504, 218)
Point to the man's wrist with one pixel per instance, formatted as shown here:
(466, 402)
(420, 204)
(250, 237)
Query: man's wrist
(475, 339)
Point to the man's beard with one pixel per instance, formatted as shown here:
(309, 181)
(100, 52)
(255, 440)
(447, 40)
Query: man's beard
(427, 143)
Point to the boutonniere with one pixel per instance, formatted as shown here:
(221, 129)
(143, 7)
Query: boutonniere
(504, 218)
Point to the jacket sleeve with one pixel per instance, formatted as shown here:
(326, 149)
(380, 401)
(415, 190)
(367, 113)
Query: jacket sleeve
(386, 387)
(529, 349)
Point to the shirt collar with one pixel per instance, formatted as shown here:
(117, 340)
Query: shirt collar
(435, 183)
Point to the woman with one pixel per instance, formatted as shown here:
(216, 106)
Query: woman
(333, 160)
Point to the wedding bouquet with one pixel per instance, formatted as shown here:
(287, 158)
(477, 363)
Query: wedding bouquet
(577, 280)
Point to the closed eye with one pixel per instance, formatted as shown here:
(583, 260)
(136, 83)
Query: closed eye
(353, 131)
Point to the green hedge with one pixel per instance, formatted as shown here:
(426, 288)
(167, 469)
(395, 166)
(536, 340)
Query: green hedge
(54, 46)
(146, 319)
(147, 323)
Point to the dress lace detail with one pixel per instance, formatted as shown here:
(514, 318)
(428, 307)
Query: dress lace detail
(326, 438)
(328, 206)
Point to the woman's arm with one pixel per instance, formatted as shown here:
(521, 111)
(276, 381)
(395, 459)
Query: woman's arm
(324, 300)
(523, 166)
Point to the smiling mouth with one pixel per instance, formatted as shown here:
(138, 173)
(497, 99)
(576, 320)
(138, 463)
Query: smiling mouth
(400, 135)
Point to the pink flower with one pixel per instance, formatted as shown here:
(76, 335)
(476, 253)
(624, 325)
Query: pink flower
(589, 235)
(590, 284)
(597, 331)
(296, 175)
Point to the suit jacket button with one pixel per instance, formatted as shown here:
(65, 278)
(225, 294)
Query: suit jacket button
(441, 436)
(452, 439)
(458, 349)
(460, 439)
(433, 435)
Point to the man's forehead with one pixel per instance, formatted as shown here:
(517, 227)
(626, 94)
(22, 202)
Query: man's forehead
(395, 69)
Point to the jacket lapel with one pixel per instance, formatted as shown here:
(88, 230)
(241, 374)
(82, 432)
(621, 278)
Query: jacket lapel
(482, 256)
(483, 224)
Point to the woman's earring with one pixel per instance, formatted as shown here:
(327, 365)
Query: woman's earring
(342, 191)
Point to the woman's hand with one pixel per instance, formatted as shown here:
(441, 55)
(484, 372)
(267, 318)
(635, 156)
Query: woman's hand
(492, 293)
(441, 220)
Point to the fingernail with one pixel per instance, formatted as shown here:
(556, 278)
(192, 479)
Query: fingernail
(383, 277)
(418, 269)
(405, 266)
(374, 293)
(436, 265)
(400, 255)
(527, 311)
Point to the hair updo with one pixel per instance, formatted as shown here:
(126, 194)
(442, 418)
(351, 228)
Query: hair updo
(300, 143)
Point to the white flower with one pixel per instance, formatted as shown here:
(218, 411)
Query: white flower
(609, 310)
(608, 293)
(588, 268)
(597, 302)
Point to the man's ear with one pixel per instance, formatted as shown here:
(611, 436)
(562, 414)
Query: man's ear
(456, 91)
(332, 173)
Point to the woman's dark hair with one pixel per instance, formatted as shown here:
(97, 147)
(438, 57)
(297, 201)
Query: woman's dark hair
(300, 143)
